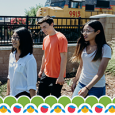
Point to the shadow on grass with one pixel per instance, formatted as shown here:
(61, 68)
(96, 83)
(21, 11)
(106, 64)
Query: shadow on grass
(70, 75)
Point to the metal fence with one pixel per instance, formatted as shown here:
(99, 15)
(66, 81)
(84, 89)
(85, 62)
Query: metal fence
(70, 27)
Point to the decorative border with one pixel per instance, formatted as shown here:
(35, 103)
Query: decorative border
(52, 105)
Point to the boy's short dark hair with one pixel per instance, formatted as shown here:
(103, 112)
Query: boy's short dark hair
(46, 19)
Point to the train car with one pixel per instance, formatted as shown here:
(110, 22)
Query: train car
(66, 13)
(76, 8)
(73, 9)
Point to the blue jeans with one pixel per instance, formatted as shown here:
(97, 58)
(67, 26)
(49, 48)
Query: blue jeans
(96, 91)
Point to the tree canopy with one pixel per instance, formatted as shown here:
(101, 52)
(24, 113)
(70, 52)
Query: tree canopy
(33, 10)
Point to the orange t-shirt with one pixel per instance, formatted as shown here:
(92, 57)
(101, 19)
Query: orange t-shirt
(53, 46)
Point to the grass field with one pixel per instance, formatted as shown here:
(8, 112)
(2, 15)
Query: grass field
(3, 89)
(111, 65)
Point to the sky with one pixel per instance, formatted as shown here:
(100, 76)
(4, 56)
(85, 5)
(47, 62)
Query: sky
(17, 7)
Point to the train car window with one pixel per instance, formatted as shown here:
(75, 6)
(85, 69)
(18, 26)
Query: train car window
(47, 4)
(80, 3)
(76, 5)
(112, 2)
(89, 7)
(103, 4)
(69, 4)
(58, 4)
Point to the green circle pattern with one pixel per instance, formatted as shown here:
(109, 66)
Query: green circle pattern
(105, 100)
(64, 100)
(10, 100)
(78, 101)
(91, 100)
(37, 101)
(51, 100)
(23, 101)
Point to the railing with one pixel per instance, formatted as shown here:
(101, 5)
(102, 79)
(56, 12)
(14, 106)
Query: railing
(91, 13)
(70, 27)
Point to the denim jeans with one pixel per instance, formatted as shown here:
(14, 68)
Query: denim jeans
(95, 91)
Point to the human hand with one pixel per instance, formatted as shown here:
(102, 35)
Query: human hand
(60, 80)
(7, 94)
(83, 92)
(40, 74)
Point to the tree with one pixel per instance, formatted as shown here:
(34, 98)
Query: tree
(33, 10)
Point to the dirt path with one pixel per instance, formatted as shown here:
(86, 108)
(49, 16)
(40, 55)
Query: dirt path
(110, 87)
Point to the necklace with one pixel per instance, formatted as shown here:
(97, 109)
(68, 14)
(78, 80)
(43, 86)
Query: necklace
(91, 49)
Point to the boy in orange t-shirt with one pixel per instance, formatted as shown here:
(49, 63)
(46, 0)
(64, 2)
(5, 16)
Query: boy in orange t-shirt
(54, 59)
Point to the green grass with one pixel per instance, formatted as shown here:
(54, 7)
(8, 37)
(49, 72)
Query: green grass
(3, 89)
(111, 65)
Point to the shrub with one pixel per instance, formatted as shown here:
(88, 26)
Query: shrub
(111, 65)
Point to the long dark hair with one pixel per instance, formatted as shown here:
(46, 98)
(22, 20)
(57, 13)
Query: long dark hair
(26, 42)
(99, 39)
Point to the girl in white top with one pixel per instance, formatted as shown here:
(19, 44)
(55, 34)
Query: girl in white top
(94, 54)
(22, 75)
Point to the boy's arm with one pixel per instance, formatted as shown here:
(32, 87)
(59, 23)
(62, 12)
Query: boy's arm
(60, 79)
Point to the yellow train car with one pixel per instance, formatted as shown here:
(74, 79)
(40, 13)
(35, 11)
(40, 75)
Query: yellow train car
(67, 12)
(75, 9)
